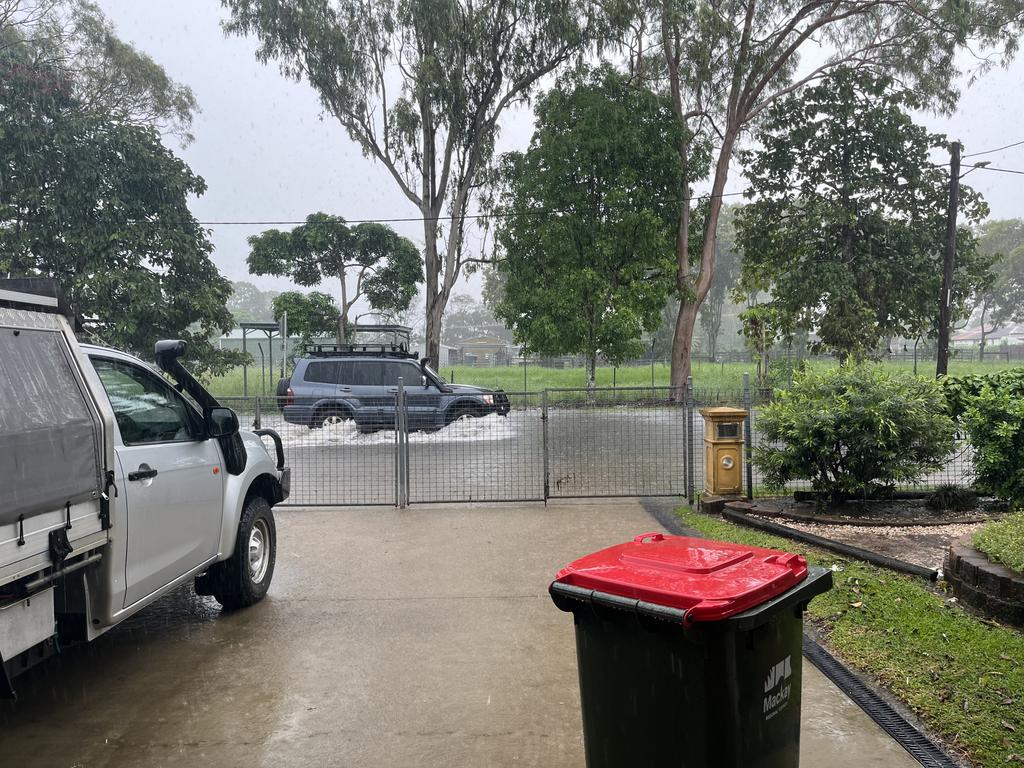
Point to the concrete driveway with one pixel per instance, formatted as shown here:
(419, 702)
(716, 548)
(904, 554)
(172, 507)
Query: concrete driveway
(420, 637)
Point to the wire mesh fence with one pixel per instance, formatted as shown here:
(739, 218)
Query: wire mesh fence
(618, 442)
(481, 458)
(957, 469)
(557, 443)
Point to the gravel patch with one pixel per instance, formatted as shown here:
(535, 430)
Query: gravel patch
(925, 546)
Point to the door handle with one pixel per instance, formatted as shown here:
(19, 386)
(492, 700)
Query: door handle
(144, 472)
(344, 389)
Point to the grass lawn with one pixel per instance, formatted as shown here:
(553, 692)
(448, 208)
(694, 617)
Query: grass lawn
(964, 677)
(716, 377)
(1003, 541)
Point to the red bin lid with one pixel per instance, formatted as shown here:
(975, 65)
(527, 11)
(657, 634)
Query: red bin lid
(711, 580)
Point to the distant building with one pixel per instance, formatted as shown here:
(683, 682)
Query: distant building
(1012, 334)
(482, 351)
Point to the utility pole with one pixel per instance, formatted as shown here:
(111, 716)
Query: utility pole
(949, 259)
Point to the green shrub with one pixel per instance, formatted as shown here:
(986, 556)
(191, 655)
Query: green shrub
(1003, 541)
(961, 390)
(951, 498)
(994, 421)
(854, 431)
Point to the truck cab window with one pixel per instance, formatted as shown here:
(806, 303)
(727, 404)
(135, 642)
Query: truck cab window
(146, 408)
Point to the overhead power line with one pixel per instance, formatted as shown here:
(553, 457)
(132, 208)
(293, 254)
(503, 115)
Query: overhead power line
(999, 170)
(997, 149)
(409, 219)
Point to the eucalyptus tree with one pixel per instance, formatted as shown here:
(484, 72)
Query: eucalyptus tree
(384, 265)
(724, 62)
(419, 86)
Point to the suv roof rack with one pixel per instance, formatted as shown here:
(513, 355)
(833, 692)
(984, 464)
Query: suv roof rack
(358, 350)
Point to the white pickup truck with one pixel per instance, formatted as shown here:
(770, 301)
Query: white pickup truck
(117, 487)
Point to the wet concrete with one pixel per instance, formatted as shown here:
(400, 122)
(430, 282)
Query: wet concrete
(422, 637)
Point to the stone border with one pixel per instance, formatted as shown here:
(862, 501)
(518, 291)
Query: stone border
(986, 586)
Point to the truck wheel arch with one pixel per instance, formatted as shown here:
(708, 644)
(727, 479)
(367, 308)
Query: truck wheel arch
(264, 485)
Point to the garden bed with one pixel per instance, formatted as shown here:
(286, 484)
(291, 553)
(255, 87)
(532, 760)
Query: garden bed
(906, 529)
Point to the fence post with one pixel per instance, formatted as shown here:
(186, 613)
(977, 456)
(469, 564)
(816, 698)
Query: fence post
(256, 420)
(690, 464)
(748, 436)
(544, 432)
(402, 458)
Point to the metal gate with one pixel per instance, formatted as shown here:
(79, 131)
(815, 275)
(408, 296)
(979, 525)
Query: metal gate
(558, 443)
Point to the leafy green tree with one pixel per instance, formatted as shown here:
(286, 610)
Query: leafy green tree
(762, 326)
(386, 265)
(102, 205)
(467, 318)
(1001, 299)
(854, 431)
(725, 62)
(248, 302)
(419, 86)
(311, 315)
(592, 276)
(846, 232)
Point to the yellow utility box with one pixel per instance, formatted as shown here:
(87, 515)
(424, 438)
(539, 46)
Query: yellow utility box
(723, 450)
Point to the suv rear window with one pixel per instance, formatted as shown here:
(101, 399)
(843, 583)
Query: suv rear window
(322, 373)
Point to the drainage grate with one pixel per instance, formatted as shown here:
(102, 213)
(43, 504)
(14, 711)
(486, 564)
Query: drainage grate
(920, 747)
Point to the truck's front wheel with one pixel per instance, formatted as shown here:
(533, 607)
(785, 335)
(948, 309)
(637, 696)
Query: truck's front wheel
(245, 577)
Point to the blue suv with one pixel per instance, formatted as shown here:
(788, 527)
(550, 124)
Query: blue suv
(341, 382)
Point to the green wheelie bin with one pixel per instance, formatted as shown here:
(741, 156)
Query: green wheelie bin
(689, 652)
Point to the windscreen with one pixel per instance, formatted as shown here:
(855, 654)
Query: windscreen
(49, 443)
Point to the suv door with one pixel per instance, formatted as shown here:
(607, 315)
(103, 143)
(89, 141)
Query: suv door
(173, 480)
(362, 380)
(424, 401)
(319, 388)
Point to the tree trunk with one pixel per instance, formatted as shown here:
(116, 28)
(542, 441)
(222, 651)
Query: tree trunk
(343, 315)
(689, 306)
(434, 301)
(981, 345)
(591, 370)
(682, 344)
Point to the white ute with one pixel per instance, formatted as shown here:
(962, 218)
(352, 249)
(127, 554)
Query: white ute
(117, 487)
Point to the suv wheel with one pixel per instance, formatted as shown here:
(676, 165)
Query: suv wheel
(329, 418)
(460, 411)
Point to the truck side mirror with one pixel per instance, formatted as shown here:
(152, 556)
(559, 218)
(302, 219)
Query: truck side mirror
(221, 422)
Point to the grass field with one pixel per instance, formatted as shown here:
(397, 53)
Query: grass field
(963, 676)
(706, 376)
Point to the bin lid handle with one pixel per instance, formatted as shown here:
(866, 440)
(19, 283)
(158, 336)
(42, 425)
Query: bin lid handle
(653, 536)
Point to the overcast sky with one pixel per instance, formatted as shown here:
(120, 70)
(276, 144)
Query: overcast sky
(267, 152)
